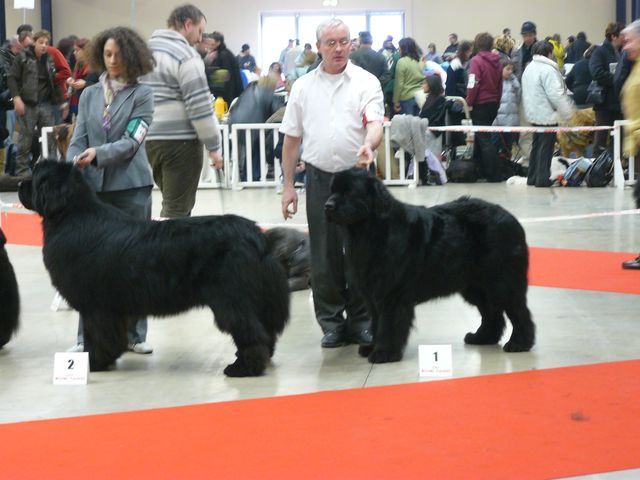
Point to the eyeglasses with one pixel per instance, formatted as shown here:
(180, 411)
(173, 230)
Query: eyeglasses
(334, 43)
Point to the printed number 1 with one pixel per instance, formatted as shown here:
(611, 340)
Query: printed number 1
(435, 354)
(71, 362)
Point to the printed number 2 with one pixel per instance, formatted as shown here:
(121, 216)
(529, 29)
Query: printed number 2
(435, 354)
(71, 362)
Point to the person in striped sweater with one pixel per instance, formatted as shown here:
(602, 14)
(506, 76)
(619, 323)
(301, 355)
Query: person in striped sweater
(183, 118)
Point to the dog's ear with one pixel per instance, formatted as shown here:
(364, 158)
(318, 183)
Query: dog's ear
(53, 187)
(382, 199)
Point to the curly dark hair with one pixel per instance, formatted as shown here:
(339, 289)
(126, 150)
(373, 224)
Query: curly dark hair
(136, 58)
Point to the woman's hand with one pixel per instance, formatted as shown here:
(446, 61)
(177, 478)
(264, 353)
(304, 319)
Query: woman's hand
(79, 84)
(85, 158)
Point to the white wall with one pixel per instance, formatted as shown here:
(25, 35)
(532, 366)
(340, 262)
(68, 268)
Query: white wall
(426, 20)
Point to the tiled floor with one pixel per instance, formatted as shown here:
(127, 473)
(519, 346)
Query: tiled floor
(574, 327)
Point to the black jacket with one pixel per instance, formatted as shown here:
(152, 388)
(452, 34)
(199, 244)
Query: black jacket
(578, 80)
(602, 57)
(373, 62)
(623, 69)
(23, 77)
(224, 75)
(575, 51)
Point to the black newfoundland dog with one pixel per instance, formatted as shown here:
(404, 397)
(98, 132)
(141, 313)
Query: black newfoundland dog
(9, 296)
(113, 268)
(404, 255)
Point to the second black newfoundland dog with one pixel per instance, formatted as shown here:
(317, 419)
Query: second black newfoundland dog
(404, 255)
(9, 296)
(113, 268)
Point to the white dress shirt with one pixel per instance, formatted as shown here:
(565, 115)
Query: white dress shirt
(330, 112)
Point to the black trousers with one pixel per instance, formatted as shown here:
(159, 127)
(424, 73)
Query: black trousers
(485, 153)
(602, 137)
(540, 158)
(337, 307)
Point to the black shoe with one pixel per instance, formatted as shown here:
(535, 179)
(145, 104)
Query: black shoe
(333, 339)
(363, 337)
(632, 264)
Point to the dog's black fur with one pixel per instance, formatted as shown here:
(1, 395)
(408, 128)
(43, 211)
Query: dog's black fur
(291, 247)
(9, 296)
(113, 268)
(404, 255)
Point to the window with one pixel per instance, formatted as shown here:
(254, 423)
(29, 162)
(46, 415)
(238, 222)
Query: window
(383, 24)
(276, 32)
(277, 28)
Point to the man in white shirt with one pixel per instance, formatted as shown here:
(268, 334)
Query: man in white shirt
(337, 111)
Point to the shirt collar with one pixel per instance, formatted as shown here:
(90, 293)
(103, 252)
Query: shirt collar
(348, 71)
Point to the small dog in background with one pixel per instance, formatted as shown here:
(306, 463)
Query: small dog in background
(9, 296)
(291, 248)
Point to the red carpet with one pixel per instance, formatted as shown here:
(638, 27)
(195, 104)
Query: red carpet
(582, 270)
(22, 228)
(530, 425)
(550, 267)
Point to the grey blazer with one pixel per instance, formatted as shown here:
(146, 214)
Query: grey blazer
(121, 158)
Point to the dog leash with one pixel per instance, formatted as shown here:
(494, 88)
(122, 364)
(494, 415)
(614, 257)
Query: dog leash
(220, 178)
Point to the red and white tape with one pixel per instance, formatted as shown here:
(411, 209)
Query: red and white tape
(519, 129)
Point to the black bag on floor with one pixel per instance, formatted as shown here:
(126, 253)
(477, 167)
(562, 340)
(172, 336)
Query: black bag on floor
(462, 171)
(601, 171)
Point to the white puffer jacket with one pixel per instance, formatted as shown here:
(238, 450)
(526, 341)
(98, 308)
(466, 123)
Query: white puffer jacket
(544, 93)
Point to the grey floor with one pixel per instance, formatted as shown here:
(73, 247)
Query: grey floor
(574, 327)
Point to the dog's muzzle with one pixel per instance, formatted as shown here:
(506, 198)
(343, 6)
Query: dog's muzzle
(330, 210)
(25, 193)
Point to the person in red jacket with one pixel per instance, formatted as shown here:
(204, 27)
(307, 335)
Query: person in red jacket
(484, 91)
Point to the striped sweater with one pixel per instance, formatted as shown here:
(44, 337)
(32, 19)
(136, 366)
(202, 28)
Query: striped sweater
(183, 107)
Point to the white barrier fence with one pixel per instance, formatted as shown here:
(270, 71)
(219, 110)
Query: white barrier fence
(616, 133)
(242, 168)
(239, 159)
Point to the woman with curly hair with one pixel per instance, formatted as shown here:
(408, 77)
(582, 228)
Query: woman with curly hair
(108, 140)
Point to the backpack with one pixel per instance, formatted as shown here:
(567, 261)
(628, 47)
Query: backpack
(576, 172)
(601, 171)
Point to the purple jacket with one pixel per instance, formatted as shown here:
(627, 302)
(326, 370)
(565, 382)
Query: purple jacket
(485, 79)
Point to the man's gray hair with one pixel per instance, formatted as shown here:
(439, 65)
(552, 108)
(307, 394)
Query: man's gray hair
(633, 28)
(331, 23)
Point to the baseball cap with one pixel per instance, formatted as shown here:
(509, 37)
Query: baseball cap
(245, 47)
(528, 27)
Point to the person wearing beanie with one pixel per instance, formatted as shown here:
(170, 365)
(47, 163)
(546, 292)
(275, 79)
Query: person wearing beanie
(523, 56)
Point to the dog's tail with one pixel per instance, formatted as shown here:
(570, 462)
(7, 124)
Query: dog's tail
(9, 296)
(276, 301)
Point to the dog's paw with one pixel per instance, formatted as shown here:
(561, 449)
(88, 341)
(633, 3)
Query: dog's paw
(476, 339)
(99, 367)
(239, 368)
(384, 356)
(365, 350)
(513, 347)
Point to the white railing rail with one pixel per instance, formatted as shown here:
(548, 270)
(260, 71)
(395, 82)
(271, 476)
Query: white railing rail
(618, 174)
(239, 156)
